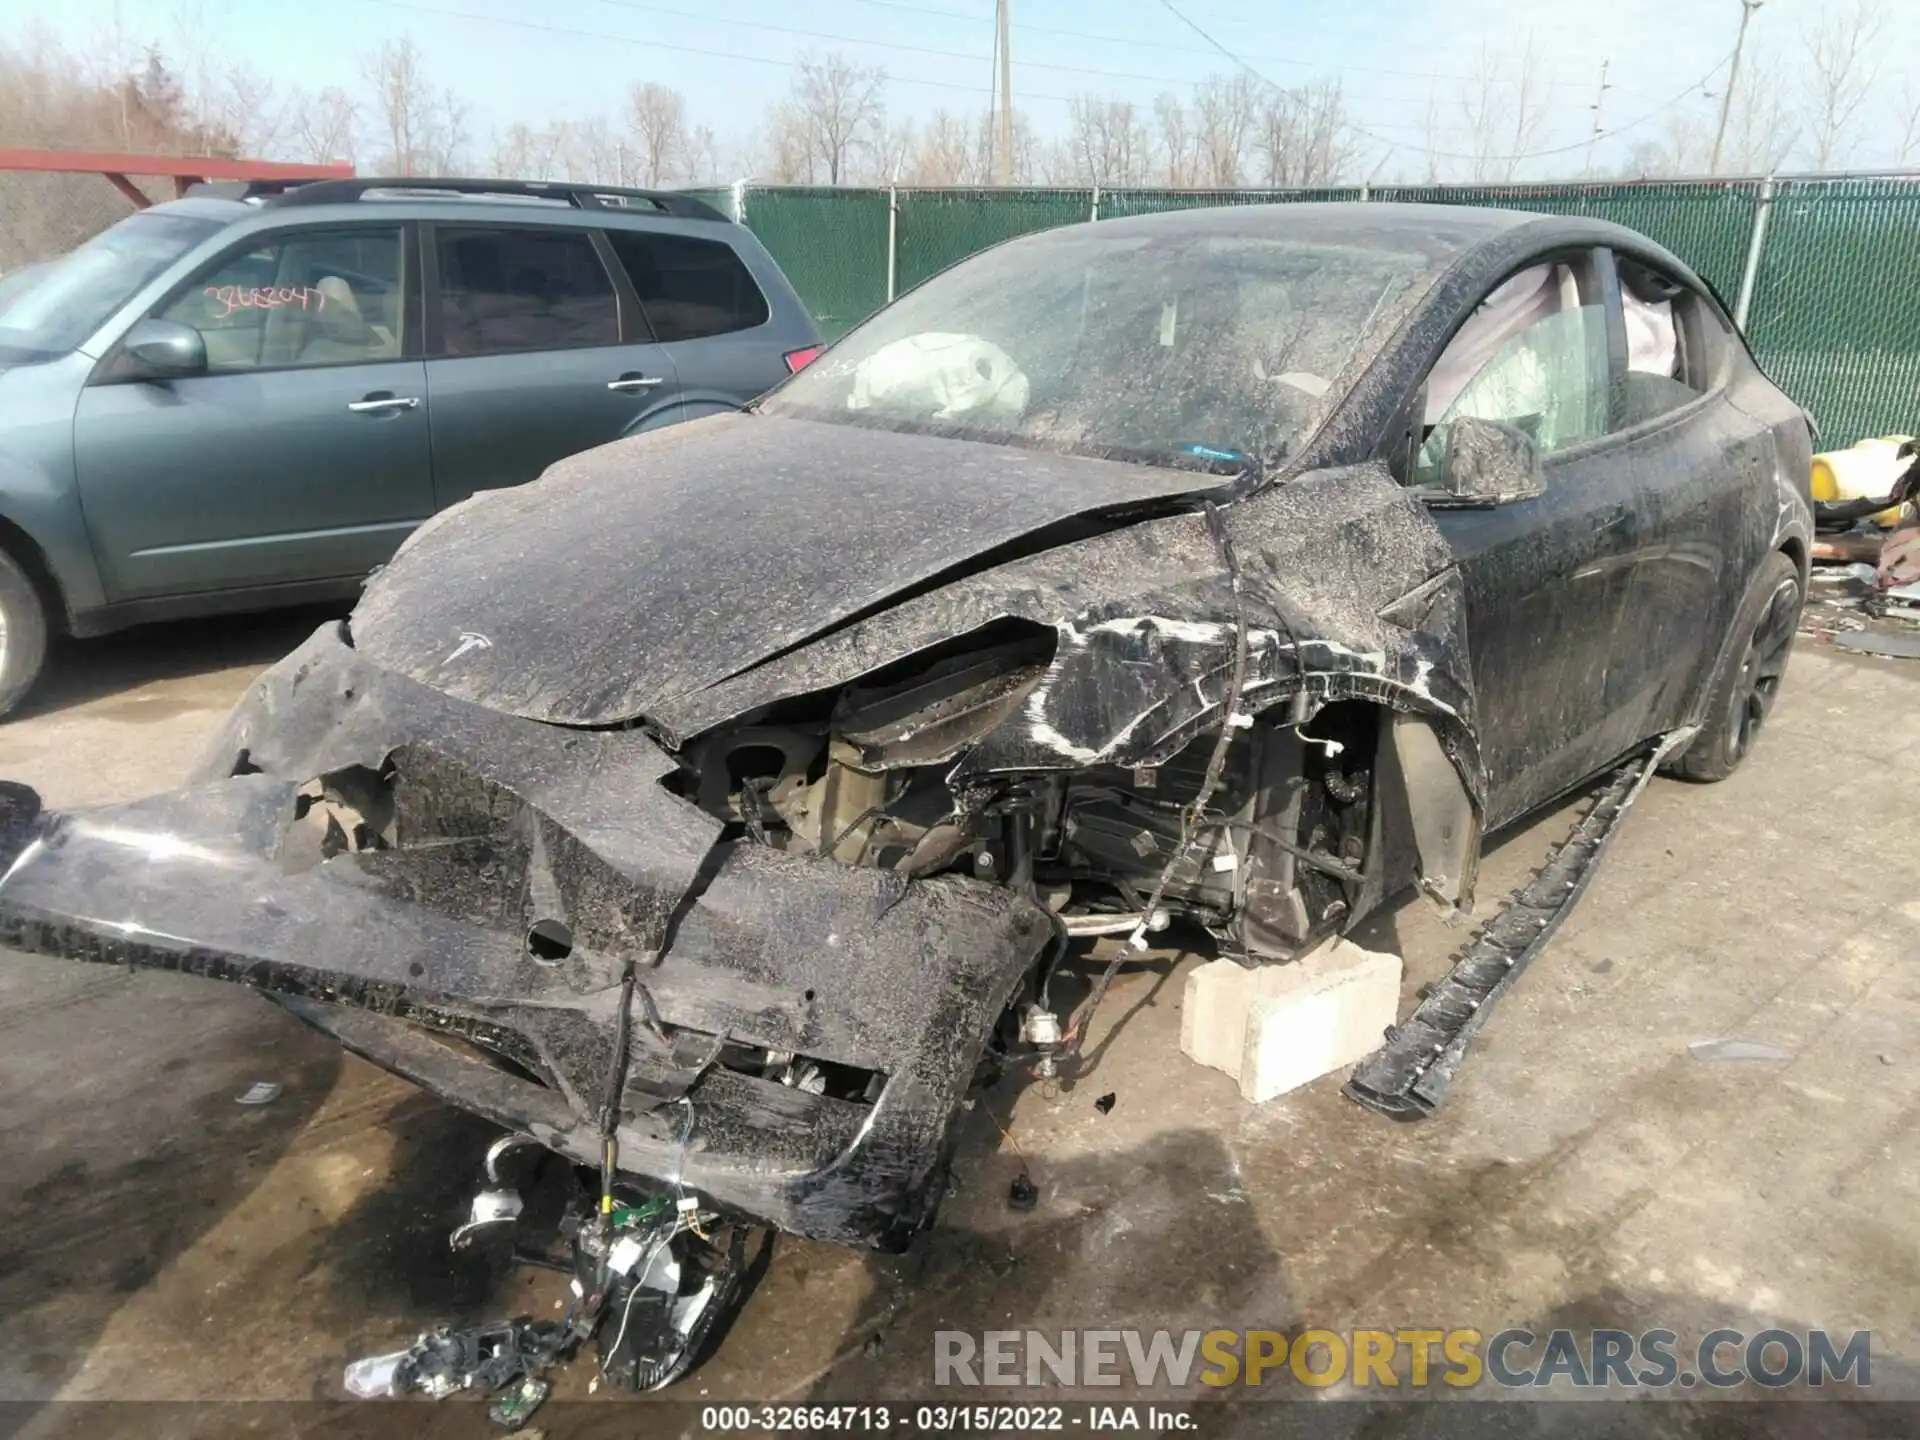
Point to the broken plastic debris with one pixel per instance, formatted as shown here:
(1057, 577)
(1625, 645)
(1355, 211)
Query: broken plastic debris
(1105, 1103)
(625, 1254)
(1898, 647)
(261, 1092)
(374, 1378)
(1023, 1194)
(513, 1407)
(1736, 1050)
(1226, 862)
(491, 1207)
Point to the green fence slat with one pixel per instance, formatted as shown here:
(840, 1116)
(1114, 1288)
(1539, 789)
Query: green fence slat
(832, 244)
(1117, 204)
(941, 227)
(1706, 225)
(1835, 318)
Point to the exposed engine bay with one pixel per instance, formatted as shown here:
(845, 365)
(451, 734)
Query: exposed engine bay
(745, 904)
(871, 778)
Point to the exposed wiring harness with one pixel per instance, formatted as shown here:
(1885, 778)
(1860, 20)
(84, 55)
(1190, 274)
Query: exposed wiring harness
(1193, 817)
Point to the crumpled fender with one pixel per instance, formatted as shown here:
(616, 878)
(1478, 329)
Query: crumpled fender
(1348, 589)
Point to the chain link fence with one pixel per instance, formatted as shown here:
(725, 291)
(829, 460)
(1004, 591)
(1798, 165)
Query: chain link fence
(1835, 315)
(1824, 272)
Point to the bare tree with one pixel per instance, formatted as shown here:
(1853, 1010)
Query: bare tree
(447, 137)
(1762, 128)
(657, 117)
(1178, 145)
(946, 154)
(1842, 62)
(842, 111)
(786, 156)
(1303, 135)
(323, 127)
(703, 156)
(1504, 109)
(893, 152)
(521, 152)
(1224, 107)
(1909, 116)
(591, 151)
(1107, 144)
(1430, 130)
(420, 131)
(241, 105)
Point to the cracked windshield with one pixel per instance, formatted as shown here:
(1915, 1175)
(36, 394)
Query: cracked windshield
(1206, 351)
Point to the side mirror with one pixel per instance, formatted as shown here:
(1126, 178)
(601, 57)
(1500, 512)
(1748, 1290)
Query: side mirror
(160, 350)
(1486, 463)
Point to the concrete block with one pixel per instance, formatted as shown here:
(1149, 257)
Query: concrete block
(1275, 1027)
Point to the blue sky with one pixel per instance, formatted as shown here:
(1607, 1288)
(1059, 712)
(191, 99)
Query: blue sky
(558, 59)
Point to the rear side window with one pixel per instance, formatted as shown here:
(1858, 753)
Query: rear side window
(506, 290)
(689, 288)
(1678, 348)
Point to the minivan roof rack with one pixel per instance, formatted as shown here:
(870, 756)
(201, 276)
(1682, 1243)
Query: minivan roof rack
(580, 196)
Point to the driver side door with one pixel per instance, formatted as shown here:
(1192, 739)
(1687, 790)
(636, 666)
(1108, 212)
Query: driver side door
(1546, 577)
(301, 455)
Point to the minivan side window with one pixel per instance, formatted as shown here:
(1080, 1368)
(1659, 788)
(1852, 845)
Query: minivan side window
(323, 297)
(689, 288)
(534, 289)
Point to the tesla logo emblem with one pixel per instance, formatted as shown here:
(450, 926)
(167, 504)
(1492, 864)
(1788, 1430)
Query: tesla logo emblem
(469, 640)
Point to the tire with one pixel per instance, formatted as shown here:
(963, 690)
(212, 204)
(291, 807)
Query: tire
(23, 633)
(1749, 675)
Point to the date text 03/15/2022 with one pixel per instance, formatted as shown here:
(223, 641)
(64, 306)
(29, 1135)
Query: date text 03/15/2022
(945, 1419)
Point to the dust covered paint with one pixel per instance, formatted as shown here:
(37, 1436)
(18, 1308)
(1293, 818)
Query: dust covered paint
(727, 796)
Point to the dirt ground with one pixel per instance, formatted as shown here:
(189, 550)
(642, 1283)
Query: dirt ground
(159, 1241)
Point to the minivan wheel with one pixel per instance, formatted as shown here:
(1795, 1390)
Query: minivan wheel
(1751, 672)
(23, 633)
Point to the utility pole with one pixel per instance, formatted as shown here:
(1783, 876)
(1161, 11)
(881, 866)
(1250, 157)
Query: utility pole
(1599, 99)
(1003, 60)
(1747, 7)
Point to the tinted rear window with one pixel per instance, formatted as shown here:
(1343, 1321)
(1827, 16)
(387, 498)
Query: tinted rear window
(690, 288)
(503, 290)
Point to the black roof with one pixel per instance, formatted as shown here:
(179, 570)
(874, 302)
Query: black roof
(580, 196)
(1438, 232)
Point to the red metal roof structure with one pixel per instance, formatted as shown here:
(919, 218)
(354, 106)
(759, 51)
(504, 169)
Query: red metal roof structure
(184, 170)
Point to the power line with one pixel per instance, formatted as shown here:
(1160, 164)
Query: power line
(653, 44)
(1315, 65)
(1452, 155)
(575, 32)
(907, 47)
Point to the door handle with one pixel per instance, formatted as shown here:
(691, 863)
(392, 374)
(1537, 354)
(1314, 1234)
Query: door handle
(383, 404)
(635, 382)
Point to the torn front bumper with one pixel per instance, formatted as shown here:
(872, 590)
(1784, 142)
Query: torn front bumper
(420, 957)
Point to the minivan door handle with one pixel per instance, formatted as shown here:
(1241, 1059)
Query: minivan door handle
(630, 382)
(384, 404)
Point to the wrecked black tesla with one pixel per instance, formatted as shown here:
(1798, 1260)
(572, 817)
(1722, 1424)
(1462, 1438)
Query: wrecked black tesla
(707, 809)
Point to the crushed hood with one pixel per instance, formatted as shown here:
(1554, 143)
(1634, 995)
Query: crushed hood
(660, 565)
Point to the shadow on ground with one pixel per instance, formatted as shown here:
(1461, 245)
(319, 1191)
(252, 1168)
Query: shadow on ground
(79, 671)
(126, 1160)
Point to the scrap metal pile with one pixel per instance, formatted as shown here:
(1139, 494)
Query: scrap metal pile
(1865, 593)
